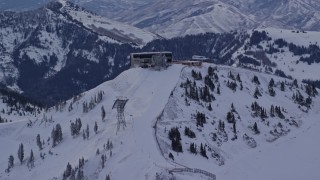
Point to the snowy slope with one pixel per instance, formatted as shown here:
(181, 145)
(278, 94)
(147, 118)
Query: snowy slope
(105, 27)
(234, 158)
(285, 59)
(147, 92)
(135, 154)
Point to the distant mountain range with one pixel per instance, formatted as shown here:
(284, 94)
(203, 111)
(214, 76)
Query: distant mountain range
(60, 50)
(177, 18)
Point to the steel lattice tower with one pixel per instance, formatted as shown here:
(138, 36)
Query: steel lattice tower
(120, 103)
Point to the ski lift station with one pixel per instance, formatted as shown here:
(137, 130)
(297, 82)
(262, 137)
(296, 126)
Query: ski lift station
(150, 59)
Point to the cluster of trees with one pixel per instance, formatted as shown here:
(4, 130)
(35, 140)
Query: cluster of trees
(76, 127)
(19, 103)
(74, 173)
(299, 98)
(191, 90)
(205, 94)
(276, 110)
(56, 135)
(196, 75)
(193, 148)
(175, 137)
(188, 132)
(96, 99)
(270, 88)
(203, 151)
(259, 110)
(30, 162)
(201, 119)
(257, 37)
(311, 90)
(257, 93)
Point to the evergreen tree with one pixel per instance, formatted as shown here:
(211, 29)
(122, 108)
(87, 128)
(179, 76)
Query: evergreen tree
(271, 83)
(218, 89)
(234, 128)
(171, 156)
(193, 148)
(10, 162)
(272, 111)
(68, 171)
(108, 177)
(39, 144)
(295, 83)
(282, 87)
(95, 127)
(203, 151)
(73, 175)
(87, 131)
(255, 128)
(255, 80)
(210, 71)
(56, 135)
(59, 133)
(21, 153)
(256, 93)
(103, 113)
(80, 175)
(31, 160)
(103, 160)
(84, 135)
(238, 78)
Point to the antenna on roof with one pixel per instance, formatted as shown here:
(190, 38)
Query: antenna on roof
(120, 103)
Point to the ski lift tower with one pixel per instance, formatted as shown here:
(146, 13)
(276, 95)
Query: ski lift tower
(119, 104)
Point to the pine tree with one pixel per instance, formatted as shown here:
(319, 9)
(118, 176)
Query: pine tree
(53, 137)
(84, 135)
(80, 175)
(238, 78)
(103, 113)
(256, 93)
(73, 175)
(10, 162)
(39, 142)
(31, 160)
(103, 160)
(95, 127)
(271, 83)
(108, 177)
(255, 128)
(21, 153)
(282, 87)
(209, 107)
(56, 135)
(272, 111)
(59, 133)
(87, 131)
(255, 80)
(67, 172)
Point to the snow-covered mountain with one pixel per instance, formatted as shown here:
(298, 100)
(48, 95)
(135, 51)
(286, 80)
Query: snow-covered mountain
(178, 18)
(62, 47)
(195, 101)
